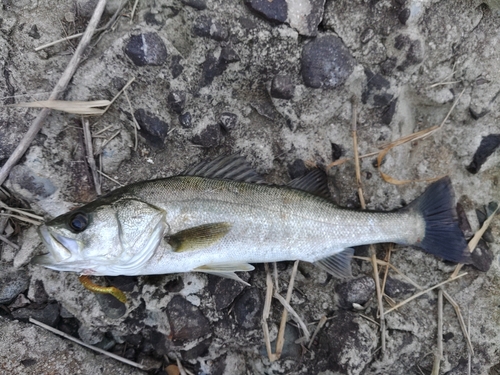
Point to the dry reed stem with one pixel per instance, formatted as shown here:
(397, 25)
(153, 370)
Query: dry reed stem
(136, 124)
(265, 313)
(438, 356)
(8, 242)
(424, 292)
(110, 178)
(76, 107)
(87, 135)
(280, 342)
(105, 143)
(133, 11)
(465, 331)
(119, 93)
(19, 211)
(475, 239)
(94, 348)
(294, 315)
(320, 325)
(22, 218)
(59, 88)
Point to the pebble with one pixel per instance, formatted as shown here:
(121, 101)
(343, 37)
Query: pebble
(282, 87)
(33, 32)
(90, 336)
(208, 27)
(49, 314)
(176, 67)
(290, 348)
(357, 291)
(197, 4)
(110, 306)
(211, 136)
(482, 256)
(487, 147)
(482, 215)
(176, 100)
(305, 15)
(186, 120)
(326, 62)
(274, 11)
(395, 288)
(153, 128)
(12, 283)
(228, 120)
(25, 178)
(228, 55)
(212, 67)
(224, 291)
(247, 309)
(336, 151)
(199, 350)
(186, 321)
(146, 49)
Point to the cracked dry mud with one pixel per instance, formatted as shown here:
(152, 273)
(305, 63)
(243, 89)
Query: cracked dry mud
(274, 82)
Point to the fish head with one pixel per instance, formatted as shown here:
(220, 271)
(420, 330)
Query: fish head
(103, 238)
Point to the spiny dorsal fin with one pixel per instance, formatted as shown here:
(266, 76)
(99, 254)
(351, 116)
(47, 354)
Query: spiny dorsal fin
(338, 265)
(232, 167)
(198, 237)
(226, 270)
(314, 182)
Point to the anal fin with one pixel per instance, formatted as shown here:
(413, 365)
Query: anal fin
(226, 270)
(338, 265)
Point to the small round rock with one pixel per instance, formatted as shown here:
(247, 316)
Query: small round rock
(146, 49)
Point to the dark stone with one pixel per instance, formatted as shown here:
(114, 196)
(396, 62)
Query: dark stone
(388, 112)
(175, 285)
(110, 306)
(12, 283)
(247, 23)
(401, 41)
(388, 65)
(228, 120)
(186, 120)
(40, 187)
(382, 100)
(224, 291)
(367, 35)
(448, 336)
(415, 55)
(248, 309)
(175, 66)
(355, 291)
(477, 115)
(40, 296)
(352, 347)
(228, 55)
(211, 136)
(376, 82)
(275, 11)
(290, 348)
(395, 288)
(482, 256)
(146, 49)
(205, 26)
(282, 87)
(297, 169)
(134, 339)
(69, 326)
(28, 362)
(404, 15)
(34, 32)
(154, 19)
(326, 62)
(200, 350)
(487, 146)
(197, 4)
(186, 321)
(482, 215)
(212, 68)
(176, 100)
(154, 342)
(153, 129)
(49, 314)
(463, 222)
(336, 151)
(124, 283)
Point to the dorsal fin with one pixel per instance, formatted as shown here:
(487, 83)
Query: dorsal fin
(232, 167)
(314, 182)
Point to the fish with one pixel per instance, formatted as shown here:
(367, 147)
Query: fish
(222, 216)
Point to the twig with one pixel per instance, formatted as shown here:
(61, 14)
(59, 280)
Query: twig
(8, 242)
(59, 88)
(65, 39)
(133, 11)
(136, 124)
(438, 356)
(99, 350)
(424, 292)
(281, 333)
(90, 154)
(119, 93)
(110, 178)
(29, 214)
(105, 143)
(22, 218)
(320, 325)
(465, 331)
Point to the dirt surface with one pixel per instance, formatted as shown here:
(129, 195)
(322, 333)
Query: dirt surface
(274, 82)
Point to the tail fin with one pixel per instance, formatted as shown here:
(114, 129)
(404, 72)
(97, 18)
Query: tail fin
(443, 237)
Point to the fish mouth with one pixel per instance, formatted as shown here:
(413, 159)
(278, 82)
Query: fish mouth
(60, 248)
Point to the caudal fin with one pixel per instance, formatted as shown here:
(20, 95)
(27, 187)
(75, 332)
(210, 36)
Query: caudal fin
(443, 237)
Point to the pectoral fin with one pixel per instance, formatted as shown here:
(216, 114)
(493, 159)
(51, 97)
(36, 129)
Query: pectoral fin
(198, 237)
(338, 265)
(226, 270)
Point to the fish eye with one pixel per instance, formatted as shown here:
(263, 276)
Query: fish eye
(78, 222)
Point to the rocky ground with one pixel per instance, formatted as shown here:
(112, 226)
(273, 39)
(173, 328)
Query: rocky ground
(274, 81)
